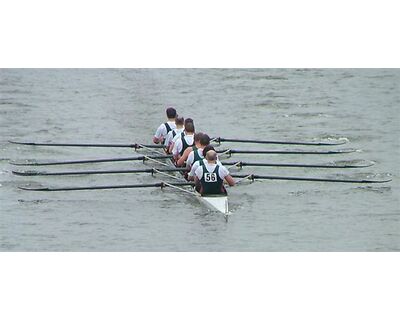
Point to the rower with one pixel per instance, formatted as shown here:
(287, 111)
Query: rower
(166, 127)
(194, 152)
(210, 176)
(178, 136)
(179, 121)
(184, 141)
(200, 162)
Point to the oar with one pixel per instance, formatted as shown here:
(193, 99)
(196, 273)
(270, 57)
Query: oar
(124, 186)
(89, 145)
(143, 158)
(233, 151)
(66, 173)
(255, 177)
(301, 143)
(241, 164)
(218, 140)
(51, 163)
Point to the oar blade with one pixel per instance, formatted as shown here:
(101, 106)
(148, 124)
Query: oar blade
(26, 173)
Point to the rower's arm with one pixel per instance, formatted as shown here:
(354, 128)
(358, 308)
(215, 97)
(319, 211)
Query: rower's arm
(159, 135)
(230, 180)
(175, 150)
(171, 147)
(185, 155)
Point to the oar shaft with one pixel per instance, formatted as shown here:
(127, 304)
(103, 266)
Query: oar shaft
(125, 186)
(53, 163)
(296, 165)
(88, 145)
(92, 172)
(253, 177)
(300, 143)
(233, 151)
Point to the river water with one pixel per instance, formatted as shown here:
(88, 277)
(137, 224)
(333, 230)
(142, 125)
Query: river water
(126, 106)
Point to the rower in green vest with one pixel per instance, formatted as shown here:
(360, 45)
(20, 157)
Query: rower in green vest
(210, 176)
(194, 153)
(191, 174)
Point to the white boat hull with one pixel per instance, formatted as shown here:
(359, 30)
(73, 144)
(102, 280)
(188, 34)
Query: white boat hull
(216, 203)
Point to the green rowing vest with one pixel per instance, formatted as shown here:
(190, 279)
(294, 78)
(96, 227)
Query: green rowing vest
(211, 183)
(185, 145)
(197, 155)
(201, 162)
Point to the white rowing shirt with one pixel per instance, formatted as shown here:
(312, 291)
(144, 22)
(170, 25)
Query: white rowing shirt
(197, 164)
(179, 145)
(177, 137)
(190, 158)
(170, 136)
(161, 132)
(222, 172)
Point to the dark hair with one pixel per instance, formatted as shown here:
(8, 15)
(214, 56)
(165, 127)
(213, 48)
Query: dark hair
(188, 120)
(189, 127)
(171, 113)
(206, 149)
(179, 121)
(198, 136)
(204, 140)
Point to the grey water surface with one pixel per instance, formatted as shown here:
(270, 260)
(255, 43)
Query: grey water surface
(127, 105)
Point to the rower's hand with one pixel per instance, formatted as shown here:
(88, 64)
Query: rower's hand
(186, 176)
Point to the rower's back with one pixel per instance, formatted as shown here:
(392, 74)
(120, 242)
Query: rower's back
(185, 140)
(164, 128)
(211, 175)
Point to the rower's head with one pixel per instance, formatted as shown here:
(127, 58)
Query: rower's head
(211, 156)
(206, 149)
(204, 140)
(179, 121)
(197, 137)
(189, 127)
(171, 113)
(188, 120)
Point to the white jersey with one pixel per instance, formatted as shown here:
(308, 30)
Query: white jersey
(222, 172)
(179, 145)
(177, 137)
(170, 136)
(197, 164)
(190, 158)
(162, 131)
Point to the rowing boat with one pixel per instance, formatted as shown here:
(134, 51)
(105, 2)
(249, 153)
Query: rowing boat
(218, 203)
